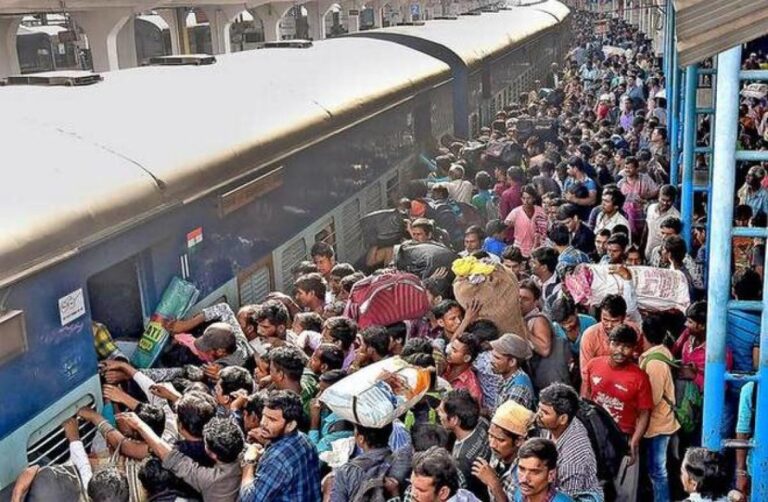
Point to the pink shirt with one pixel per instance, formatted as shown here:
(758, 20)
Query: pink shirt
(529, 233)
(696, 356)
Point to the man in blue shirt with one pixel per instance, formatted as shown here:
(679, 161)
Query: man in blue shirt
(289, 468)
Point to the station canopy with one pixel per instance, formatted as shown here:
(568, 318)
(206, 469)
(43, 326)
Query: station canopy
(708, 27)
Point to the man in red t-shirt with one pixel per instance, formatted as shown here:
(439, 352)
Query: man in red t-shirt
(617, 384)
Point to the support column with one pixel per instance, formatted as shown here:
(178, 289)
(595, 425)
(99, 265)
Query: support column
(9, 55)
(270, 15)
(220, 19)
(126, 45)
(378, 18)
(171, 17)
(689, 144)
(723, 185)
(102, 26)
(316, 20)
(353, 21)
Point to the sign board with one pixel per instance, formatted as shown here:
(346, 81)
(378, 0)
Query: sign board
(71, 307)
(415, 9)
(354, 12)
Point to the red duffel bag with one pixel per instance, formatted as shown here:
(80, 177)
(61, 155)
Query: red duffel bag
(387, 298)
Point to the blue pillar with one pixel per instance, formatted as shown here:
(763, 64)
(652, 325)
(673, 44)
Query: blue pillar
(674, 120)
(689, 144)
(723, 185)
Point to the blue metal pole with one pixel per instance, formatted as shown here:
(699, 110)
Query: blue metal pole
(689, 146)
(668, 21)
(674, 129)
(759, 467)
(723, 188)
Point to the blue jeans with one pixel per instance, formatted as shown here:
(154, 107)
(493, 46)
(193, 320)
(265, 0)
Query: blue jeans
(656, 461)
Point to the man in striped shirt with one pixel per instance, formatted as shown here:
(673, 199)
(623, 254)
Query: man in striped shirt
(576, 463)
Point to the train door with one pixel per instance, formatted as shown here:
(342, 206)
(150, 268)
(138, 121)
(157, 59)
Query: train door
(116, 298)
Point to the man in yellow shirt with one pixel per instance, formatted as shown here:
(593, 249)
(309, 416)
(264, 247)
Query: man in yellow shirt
(655, 361)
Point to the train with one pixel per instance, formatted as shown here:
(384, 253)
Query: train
(222, 174)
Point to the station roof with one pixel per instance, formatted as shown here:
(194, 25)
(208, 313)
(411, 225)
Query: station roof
(708, 27)
(474, 39)
(83, 163)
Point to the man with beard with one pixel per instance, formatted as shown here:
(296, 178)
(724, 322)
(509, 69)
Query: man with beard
(508, 430)
(288, 469)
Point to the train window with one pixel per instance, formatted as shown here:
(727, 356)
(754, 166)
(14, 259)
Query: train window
(474, 124)
(351, 243)
(393, 189)
(373, 200)
(293, 254)
(115, 298)
(255, 284)
(13, 335)
(327, 234)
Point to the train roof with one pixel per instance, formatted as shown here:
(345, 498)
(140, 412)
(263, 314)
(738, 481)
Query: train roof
(474, 39)
(83, 163)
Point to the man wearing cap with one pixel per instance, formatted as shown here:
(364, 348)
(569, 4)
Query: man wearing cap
(508, 430)
(219, 344)
(459, 189)
(507, 357)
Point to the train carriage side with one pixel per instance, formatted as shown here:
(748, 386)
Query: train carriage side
(105, 207)
(493, 56)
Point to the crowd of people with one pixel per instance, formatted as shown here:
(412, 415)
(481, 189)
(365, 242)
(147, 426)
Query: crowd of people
(582, 401)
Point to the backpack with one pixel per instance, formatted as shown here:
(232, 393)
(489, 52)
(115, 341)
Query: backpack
(504, 152)
(372, 487)
(387, 298)
(688, 399)
(446, 215)
(608, 441)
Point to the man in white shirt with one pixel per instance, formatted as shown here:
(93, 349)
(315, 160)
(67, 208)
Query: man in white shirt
(610, 216)
(658, 212)
(459, 189)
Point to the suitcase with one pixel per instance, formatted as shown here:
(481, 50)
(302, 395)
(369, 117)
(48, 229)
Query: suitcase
(387, 298)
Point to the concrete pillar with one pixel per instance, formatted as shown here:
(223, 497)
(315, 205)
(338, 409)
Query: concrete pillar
(126, 45)
(316, 20)
(171, 17)
(220, 18)
(270, 15)
(353, 24)
(102, 27)
(405, 12)
(9, 55)
(378, 20)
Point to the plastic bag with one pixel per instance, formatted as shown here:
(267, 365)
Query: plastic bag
(177, 299)
(365, 399)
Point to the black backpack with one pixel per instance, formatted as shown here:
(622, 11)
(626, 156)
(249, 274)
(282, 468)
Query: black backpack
(608, 441)
(372, 486)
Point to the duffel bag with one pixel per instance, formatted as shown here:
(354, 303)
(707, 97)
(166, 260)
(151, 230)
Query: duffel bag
(387, 298)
